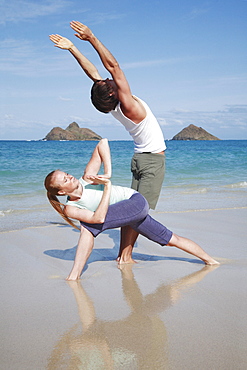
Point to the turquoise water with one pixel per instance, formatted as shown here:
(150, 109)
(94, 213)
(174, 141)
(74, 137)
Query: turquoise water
(199, 175)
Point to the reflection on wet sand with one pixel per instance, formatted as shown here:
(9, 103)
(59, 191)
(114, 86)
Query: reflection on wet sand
(138, 341)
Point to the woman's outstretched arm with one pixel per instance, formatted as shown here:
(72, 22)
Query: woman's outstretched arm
(84, 249)
(101, 155)
(86, 240)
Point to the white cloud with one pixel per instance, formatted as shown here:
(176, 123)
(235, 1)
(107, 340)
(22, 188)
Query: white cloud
(25, 58)
(19, 11)
(18, 57)
(197, 12)
(159, 62)
(24, 10)
(232, 80)
(9, 116)
(100, 18)
(232, 118)
(64, 99)
(236, 108)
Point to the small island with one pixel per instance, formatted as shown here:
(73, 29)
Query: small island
(193, 132)
(72, 132)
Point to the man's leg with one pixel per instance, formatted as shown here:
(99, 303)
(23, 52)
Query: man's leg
(148, 172)
(128, 239)
(128, 235)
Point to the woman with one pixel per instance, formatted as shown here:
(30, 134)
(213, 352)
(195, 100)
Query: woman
(99, 206)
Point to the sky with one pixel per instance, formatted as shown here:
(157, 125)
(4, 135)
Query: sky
(186, 58)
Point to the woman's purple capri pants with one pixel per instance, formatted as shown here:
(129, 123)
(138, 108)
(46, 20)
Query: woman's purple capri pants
(132, 212)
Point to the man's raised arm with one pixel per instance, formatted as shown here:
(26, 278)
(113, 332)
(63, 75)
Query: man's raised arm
(88, 67)
(108, 60)
(130, 107)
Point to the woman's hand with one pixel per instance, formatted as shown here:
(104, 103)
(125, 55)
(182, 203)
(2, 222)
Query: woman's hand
(97, 217)
(61, 42)
(99, 179)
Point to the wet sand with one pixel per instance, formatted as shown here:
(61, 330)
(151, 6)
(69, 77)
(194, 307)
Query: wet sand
(168, 311)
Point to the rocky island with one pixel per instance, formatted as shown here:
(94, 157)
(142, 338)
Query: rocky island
(72, 132)
(193, 132)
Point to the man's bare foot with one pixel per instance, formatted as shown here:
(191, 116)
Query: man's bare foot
(124, 260)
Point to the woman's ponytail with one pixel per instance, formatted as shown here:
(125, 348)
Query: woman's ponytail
(58, 206)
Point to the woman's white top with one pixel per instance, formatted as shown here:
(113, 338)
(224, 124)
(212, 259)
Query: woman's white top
(92, 194)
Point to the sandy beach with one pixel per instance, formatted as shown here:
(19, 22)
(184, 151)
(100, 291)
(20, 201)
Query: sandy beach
(168, 311)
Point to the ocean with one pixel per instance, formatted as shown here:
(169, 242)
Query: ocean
(199, 175)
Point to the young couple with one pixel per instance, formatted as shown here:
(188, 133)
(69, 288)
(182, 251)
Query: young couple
(92, 200)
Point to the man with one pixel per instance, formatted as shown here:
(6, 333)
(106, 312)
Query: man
(114, 96)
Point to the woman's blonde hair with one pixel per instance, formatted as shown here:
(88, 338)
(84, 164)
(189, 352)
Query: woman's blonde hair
(52, 192)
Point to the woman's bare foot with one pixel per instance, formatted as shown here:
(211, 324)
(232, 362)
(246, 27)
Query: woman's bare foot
(73, 276)
(211, 262)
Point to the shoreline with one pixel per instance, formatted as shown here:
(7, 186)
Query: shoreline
(201, 175)
(56, 220)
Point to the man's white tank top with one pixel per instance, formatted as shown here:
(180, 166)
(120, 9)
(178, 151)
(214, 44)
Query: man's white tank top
(147, 135)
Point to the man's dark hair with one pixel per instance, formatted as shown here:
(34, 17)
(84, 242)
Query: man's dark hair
(103, 97)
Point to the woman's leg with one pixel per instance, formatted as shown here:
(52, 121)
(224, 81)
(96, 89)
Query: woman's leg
(126, 212)
(153, 230)
(134, 212)
(191, 247)
(158, 233)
